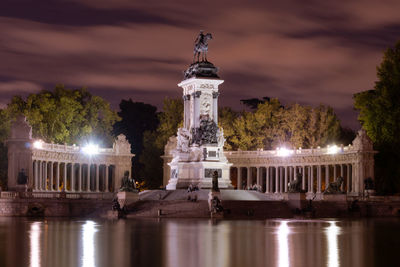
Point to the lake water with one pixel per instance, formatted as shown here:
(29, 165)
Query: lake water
(195, 243)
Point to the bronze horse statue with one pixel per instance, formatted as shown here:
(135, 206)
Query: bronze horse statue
(201, 46)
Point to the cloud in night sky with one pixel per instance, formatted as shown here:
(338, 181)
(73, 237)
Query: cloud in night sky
(309, 52)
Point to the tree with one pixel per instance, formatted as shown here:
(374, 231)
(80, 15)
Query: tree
(379, 114)
(272, 125)
(226, 117)
(71, 116)
(154, 141)
(136, 118)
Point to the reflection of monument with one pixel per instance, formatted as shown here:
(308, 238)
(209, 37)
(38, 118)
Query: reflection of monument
(199, 150)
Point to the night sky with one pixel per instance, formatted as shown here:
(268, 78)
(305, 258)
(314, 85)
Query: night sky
(308, 52)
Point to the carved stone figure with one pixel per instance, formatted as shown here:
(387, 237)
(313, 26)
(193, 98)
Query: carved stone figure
(295, 185)
(220, 137)
(205, 107)
(362, 141)
(201, 46)
(22, 177)
(183, 139)
(121, 145)
(171, 145)
(215, 187)
(127, 184)
(195, 154)
(206, 133)
(335, 187)
(20, 129)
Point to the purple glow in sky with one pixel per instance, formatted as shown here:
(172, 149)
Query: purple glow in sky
(308, 52)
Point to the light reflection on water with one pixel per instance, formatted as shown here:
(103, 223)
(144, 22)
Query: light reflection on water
(34, 236)
(283, 233)
(333, 251)
(198, 243)
(88, 231)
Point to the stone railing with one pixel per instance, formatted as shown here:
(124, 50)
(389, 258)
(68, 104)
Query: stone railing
(294, 152)
(52, 195)
(72, 149)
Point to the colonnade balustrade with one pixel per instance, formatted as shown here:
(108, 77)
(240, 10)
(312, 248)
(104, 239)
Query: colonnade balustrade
(53, 176)
(270, 171)
(275, 179)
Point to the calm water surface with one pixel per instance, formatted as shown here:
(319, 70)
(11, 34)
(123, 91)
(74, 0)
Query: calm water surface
(195, 243)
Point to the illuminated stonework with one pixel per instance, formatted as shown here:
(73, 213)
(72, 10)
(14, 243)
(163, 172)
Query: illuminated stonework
(55, 168)
(270, 171)
(199, 143)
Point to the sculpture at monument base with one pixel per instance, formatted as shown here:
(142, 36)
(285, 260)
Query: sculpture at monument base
(295, 185)
(335, 187)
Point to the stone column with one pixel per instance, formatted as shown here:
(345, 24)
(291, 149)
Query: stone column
(286, 178)
(360, 177)
(37, 175)
(58, 177)
(73, 177)
(239, 178)
(215, 107)
(281, 187)
(97, 178)
(80, 177)
(65, 176)
(319, 174)
(258, 176)
(303, 182)
(348, 178)
(353, 175)
(294, 172)
(196, 105)
(45, 176)
(310, 179)
(341, 175)
(249, 178)
(40, 175)
(51, 176)
(290, 173)
(326, 176)
(334, 173)
(267, 183)
(185, 111)
(276, 190)
(106, 169)
(88, 178)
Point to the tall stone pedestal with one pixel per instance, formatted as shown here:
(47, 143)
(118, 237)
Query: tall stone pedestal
(200, 174)
(334, 197)
(296, 200)
(199, 149)
(127, 198)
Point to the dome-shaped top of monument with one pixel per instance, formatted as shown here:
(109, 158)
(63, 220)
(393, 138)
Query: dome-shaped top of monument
(202, 69)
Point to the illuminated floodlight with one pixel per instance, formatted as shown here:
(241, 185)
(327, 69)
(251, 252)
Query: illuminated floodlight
(90, 149)
(333, 149)
(38, 144)
(283, 152)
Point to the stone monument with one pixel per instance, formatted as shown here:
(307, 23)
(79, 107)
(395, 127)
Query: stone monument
(128, 193)
(19, 155)
(199, 150)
